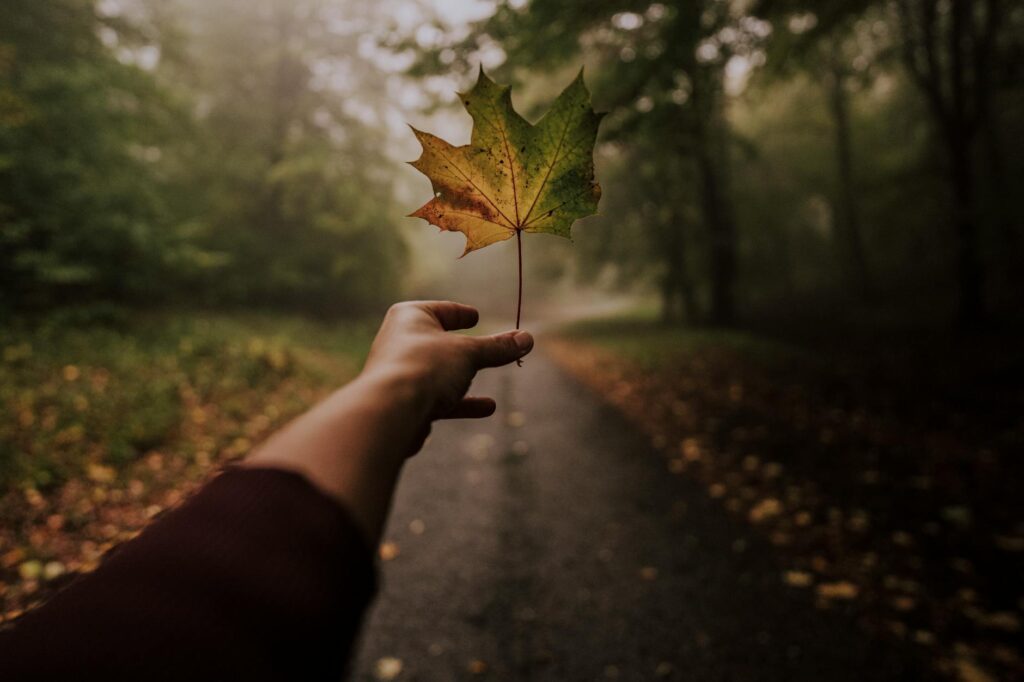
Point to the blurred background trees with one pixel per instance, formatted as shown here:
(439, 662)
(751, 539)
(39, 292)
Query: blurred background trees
(80, 208)
(191, 151)
(761, 157)
(296, 193)
(842, 179)
(778, 154)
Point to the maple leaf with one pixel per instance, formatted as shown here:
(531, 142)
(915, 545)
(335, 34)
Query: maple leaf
(513, 176)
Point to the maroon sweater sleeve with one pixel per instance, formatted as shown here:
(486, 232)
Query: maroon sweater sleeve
(258, 576)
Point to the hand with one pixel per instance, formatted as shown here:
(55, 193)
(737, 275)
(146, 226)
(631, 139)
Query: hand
(439, 367)
(352, 445)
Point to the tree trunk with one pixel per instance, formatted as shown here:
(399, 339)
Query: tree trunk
(717, 219)
(688, 298)
(1006, 229)
(960, 135)
(668, 299)
(678, 303)
(954, 77)
(723, 245)
(852, 249)
(970, 304)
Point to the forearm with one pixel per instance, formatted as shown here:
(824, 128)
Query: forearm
(258, 576)
(352, 445)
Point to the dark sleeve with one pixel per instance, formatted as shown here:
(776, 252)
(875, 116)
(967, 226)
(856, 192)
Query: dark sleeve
(258, 576)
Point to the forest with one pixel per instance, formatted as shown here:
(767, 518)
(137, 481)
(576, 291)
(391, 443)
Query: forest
(855, 152)
(802, 290)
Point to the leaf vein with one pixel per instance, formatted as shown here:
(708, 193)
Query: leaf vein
(551, 167)
(545, 213)
(468, 179)
(480, 217)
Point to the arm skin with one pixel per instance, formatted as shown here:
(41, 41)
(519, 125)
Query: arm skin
(353, 445)
(266, 571)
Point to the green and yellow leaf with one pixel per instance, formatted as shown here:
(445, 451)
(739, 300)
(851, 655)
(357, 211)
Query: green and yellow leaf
(513, 175)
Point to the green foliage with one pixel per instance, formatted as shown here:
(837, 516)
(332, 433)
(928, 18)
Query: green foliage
(98, 394)
(79, 217)
(290, 196)
(641, 338)
(186, 151)
(660, 68)
(821, 171)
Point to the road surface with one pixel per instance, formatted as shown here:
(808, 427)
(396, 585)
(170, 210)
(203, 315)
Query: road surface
(551, 543)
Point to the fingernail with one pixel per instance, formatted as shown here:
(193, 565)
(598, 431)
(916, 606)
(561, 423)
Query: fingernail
(524, 341)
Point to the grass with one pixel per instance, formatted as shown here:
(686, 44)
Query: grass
(100, 395)
(638, 336)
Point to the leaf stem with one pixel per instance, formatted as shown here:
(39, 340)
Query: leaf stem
(519, 302)
(519, 247)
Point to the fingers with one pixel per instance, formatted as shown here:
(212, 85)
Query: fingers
(472, 408)
(499, 349)
(450, 315)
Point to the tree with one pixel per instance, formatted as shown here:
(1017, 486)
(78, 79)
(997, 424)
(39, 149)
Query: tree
(290, 187)
(81, 125)
(648, 226)
(948, 48)
(663, 63)
(826, 39)
(837, 81)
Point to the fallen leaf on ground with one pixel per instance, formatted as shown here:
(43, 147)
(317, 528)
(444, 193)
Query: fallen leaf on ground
(1010, 544)
(968, 671)
(649, 573)
(838, 590)
(765, 509)
(797, 578)
(387, 668)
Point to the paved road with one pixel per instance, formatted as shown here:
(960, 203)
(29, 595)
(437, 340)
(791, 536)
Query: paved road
(550, 543)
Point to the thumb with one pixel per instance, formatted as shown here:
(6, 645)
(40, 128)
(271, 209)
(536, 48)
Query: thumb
(500, 349)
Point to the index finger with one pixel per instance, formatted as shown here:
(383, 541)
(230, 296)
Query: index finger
(451, 315)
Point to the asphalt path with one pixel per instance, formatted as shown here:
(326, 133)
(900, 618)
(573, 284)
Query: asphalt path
(551, 543)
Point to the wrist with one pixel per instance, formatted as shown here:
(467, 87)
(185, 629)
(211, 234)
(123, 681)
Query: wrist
(396, 393)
